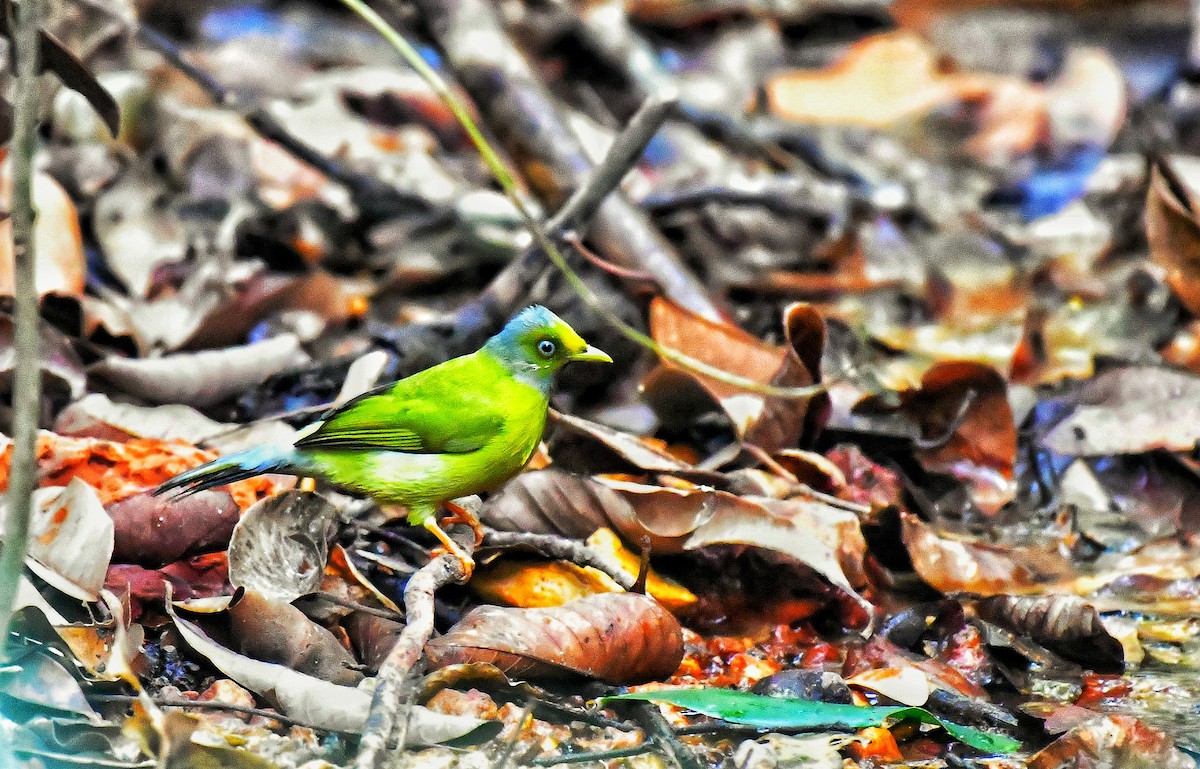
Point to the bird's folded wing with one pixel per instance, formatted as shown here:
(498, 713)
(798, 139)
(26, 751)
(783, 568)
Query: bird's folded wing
(395, 418)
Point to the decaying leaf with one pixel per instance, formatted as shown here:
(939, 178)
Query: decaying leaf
(1130, 411)
(768, 422)
(620, 638)
(953, 565)
(202, 378)
(318, 703)
(1063, 623)
(880, 81)
(963, 409)
(1173, 231)
(279, 547)
(1120, 742)
(685, 517)
(61, 265)
(71, 538)
(538, 584)
(121, 469)
(157, 530)
(277, 632)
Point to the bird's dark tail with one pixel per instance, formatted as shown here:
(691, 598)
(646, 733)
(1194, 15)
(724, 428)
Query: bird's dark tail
(229, 469)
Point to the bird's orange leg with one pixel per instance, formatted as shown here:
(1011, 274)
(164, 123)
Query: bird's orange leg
(460, 514)
(464, 558)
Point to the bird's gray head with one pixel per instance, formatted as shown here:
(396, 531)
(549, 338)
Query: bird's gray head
(537, 343)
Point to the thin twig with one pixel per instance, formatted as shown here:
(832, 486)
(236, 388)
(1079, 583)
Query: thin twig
(506, 755)
(626, 149)
(171, 702)
(27, 385)
(390, 689)
(553, 546)
(599, 755)
(572, 238)
(459, 109)
(659, 732)
(356, 606)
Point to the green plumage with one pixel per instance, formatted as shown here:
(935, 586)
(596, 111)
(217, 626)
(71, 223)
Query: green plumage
(459, 428)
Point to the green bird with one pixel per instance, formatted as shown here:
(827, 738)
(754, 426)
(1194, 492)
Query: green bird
(458, 428)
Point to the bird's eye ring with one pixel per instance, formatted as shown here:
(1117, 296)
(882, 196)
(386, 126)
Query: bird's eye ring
(546, 348)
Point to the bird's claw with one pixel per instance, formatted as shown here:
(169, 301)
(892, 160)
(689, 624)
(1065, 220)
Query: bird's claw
(464, 558)
(460, 514)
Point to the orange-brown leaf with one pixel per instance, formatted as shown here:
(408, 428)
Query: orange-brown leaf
(620, 638)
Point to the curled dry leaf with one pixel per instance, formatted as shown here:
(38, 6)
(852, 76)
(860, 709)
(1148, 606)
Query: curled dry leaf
(310, 700)
(202, 378)
(274, 631)
(1064, 624)
(953, 565)
(280, 546)
(619, 638)
(771, 423)
(157, 530)
(684, 517)
(70, 538)
(963, 408)
(61, 265)
(1173, 232)
(1117, 741)
(1130, 411)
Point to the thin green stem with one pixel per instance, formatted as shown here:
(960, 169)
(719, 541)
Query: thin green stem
(27, 383)
(544, 241)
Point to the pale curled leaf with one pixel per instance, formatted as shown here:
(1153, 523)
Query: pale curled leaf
(280, 545)
(71, 538)
(202, 378)
(1130, 411)
(310, 700)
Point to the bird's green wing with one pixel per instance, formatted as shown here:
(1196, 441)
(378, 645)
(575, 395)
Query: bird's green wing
(445, 410)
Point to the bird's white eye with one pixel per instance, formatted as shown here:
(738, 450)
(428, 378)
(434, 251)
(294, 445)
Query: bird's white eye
(546, 348)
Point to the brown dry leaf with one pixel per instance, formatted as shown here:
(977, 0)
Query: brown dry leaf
(685, 517)
(772, 423)
(880, 81)
(1115, 742)
(203, 576)
(619, 638)
(1173, 231)
(118, 470)
(277, 632)
(61, 264)
(154, 531)
(982, 449)
(1064, 624)
(952, 565)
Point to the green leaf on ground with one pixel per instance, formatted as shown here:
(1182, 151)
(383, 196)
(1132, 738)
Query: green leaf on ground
(786, 712)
